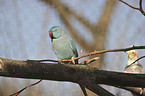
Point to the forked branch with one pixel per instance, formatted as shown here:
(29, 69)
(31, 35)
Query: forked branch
(136, 8)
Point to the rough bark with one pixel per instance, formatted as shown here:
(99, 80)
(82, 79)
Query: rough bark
(87, 76)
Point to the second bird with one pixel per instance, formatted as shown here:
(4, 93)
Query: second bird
(131, 67)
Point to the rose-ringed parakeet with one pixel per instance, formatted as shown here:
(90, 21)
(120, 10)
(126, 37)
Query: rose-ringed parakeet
(63, 46)
(136, 67)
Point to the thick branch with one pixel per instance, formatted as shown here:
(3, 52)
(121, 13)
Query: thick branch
(89, 77)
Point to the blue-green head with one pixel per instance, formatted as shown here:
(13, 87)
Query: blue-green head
(55, 32)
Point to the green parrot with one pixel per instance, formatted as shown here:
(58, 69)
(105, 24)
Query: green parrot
(136, 67)
(63, 46)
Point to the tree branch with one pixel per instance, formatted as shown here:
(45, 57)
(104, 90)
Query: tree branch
(107, 50)
(129, 5)
(87, 76)
(98, 52)
(18, 92)
(134, 90)
(140, 6)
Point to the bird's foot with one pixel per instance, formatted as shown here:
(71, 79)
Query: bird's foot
(59, 61)
(141, 91)
(73, 60)
(84, 63)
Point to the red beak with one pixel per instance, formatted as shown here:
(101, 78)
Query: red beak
(50, 34)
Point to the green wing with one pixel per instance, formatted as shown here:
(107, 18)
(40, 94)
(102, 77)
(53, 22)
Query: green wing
(74, 47)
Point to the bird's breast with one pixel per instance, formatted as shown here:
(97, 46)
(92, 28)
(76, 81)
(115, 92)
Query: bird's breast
(62, 48)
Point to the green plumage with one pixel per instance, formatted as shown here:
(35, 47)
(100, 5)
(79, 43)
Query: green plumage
(62, 44)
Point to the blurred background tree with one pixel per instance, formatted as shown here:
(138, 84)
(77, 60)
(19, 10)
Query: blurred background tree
(94, 25)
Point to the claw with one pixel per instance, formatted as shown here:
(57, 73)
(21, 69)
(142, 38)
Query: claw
(141, 91)
(73, 60)
(59, 61)
(81, 52)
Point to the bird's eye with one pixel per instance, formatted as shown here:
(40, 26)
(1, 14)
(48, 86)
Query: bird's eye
(132, 52)
(56, 30)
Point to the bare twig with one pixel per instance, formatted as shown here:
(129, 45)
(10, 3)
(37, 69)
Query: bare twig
(141, 9)
(108, 50)
(86, 62)
(81, 51)
(140, 6)
(93, 53)
(17, 93)
(129, 5)
(133, 90)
